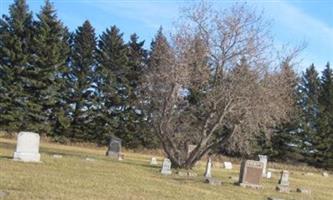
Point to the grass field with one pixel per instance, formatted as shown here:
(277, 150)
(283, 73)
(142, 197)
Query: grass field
(73, 177)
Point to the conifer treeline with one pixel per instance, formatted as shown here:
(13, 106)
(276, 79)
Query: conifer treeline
(82, 87)
(70, 86)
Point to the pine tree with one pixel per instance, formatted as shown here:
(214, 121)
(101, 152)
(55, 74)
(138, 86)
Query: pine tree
(83, 90)
(113, 83)
(309, 93)
(323, 140)
(46, 77)
(15, 58)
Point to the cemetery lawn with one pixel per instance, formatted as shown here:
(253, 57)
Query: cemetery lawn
(74, 177)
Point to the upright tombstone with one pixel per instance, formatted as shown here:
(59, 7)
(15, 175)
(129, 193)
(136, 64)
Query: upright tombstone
(153, 161)
(27, 147)
(283, 182)
(166, 167)
(208, 171)
(251, 174)
(227, 165)
(263, 159)
(114, 149)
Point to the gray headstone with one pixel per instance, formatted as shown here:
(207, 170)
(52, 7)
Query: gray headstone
(208, 171)
(166, 167)
(227, 165)
(114, 149)
(283, 182)
(250, 174)
(263, 159)
(27, 147)
(153, 161)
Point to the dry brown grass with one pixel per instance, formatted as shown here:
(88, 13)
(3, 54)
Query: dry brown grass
(72, 177)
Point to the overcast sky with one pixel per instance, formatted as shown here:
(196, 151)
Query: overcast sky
(293, 21)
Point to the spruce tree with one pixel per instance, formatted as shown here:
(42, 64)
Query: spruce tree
(82, 88)
(323, 140)
(15, 58)
(309, 90)
(46, 77)
(112, 82)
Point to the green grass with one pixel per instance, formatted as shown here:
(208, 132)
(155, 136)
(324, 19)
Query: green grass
(73, 177)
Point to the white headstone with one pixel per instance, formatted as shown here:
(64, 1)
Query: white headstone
(227, 165)
(208, 172)
(153, 161)
(263, 159)
(27, 147)
(166, 167)
(269, 175)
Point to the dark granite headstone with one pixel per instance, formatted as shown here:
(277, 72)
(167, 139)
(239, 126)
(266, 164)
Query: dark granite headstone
(251, 173)
(114, 149)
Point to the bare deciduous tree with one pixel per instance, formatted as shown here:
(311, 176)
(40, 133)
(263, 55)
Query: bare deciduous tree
(212, 82)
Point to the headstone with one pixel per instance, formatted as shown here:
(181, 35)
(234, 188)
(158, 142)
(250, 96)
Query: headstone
(283, 182)
(303, 190)
(3, 194)
(263, 159)
(269, 175)
(57, 156)
(166, 167)
(190, 148)
(153, 161)
(27, 148)
(325, 174)
(90, 159)
(114, 149)
(227, 165)
(250, 174)
(213, 181)
(208, 171)
(192, 174)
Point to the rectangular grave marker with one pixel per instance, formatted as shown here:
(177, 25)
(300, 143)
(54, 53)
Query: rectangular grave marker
(114, 149)
(251, 173)
(227, 165)
(166, 167)
(27, 147)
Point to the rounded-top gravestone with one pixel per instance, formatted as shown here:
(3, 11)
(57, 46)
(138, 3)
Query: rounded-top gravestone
(27, 147)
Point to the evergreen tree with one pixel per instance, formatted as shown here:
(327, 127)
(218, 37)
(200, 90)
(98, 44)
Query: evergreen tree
(323, 140)
(46, 76)
(309, 90)
(82, 89)
(112, 82)
(15, 58)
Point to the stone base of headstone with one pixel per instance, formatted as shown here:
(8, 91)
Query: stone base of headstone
(27, 157)
(213, 181)
(247, 185)
(282, 188)
(303, 190)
